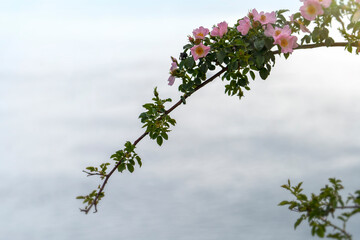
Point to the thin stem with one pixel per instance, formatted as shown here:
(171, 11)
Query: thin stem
(177, 104)
(335, 227)
(316, 45)
(347, 207)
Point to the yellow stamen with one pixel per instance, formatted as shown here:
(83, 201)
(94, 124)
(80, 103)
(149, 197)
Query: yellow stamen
(311, 10)
(284, 43)
(199, 51)
(200, 35)
(277, 32)
(263, 18)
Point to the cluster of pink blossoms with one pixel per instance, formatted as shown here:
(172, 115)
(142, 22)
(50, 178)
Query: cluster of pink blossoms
(281, 36)
(220, 30)
(313, 8)
(263, 18)
(199, 50)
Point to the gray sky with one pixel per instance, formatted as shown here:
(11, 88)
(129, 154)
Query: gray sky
(73, 77)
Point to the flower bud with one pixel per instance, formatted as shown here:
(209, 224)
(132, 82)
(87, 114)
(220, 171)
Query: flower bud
(256, 24)
(183, 56)
(191, 39)
(197, 41)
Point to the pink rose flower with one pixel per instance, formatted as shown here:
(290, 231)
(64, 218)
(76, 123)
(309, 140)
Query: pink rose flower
(271, 32)
(311, 9)
(173, 67)
(264, 18)
(200, 32)
(220, 30)
(324, 3)
(199, 51)
(244, 26)
(286, 42)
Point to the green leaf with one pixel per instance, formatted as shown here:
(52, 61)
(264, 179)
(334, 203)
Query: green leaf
(189, 62)
(233, 66)
(91, 169)
(302, 197)
(297, 15)
(197, 81)
(283, 203)
(211, 67)
(260, 60)
(203, 68)
(183, 100)
(187, 46)
(130, 167)
(164, 135)
(297, 223)
(245, 71)
(269, 43)
(138, 159)
(281, 11)
(121, 167)
(321, 231)
(252, 74)
(220, 56)
(259, 44)
(129, 147)
(264, 73)
(159, 140)
(329, 41)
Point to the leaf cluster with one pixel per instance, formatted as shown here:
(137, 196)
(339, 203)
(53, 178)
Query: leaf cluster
(319, 209)
(126, 158)
(155, 119)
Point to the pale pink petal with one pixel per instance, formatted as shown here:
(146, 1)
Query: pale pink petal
(215, 32)
(220, 30)
(199, 51)
(223, 28)
(255, 13)
(286, 29)
(270, 17)
(292, 18)
(173, 66)
(269, 31)
(311, 9)
(200, 32)
(286, 42)
(244, 26)
(171, 80)
(264, 18)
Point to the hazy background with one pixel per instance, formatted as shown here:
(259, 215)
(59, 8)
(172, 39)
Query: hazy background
(73, 77)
